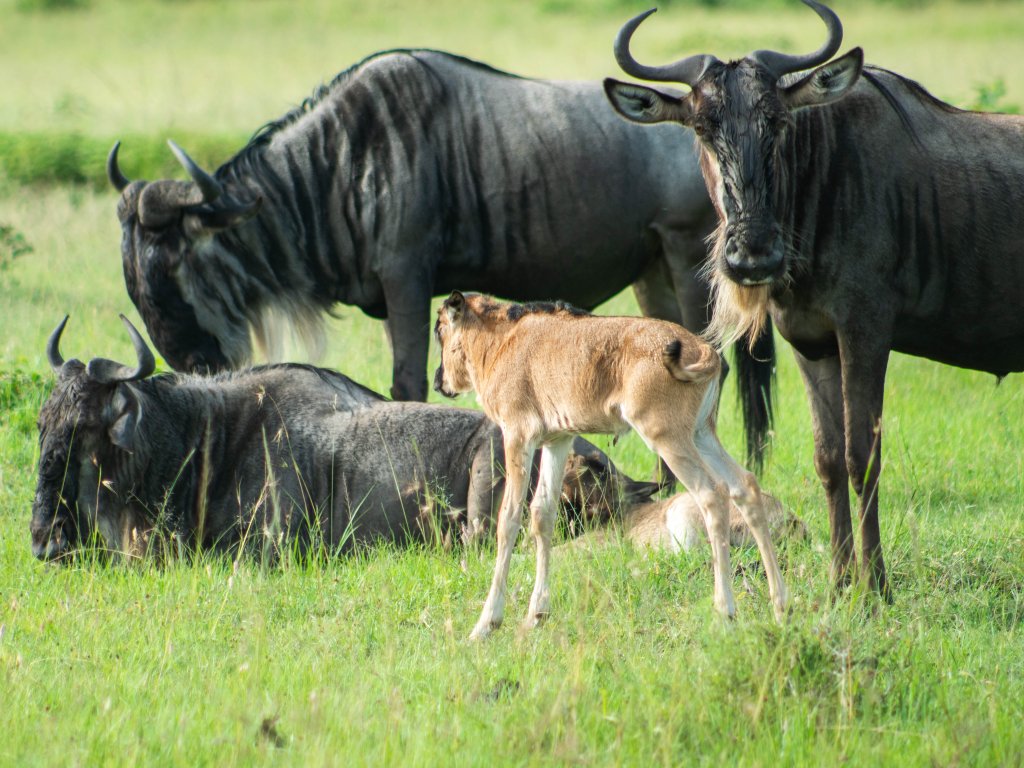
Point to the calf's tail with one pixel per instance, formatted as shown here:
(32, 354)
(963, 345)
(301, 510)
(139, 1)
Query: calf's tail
(705, 367)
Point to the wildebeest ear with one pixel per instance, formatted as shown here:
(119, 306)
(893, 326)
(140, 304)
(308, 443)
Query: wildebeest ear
(125, 416)
(827, 83)
(637, 492)
(220, 216)
(646, 105)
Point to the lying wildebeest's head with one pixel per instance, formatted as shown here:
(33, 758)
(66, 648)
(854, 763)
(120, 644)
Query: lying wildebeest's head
(87, 415)
(166, 227)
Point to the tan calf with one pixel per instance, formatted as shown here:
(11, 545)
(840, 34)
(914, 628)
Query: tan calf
(547, 372)
(677, 524)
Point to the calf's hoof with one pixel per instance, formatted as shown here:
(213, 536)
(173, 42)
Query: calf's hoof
(534, 620)
(483, 628)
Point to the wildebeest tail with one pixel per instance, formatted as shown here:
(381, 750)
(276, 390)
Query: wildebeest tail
(702, 369)
(755, 375)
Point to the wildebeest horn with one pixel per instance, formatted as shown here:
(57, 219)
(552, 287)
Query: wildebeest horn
(781, 64)
(687, 71)
(210, 186)
(109, 372)
(53, 346)
(118, 179)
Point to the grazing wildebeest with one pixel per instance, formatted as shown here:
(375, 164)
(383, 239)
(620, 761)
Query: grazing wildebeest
(865, 216)
(546, 372)
(293, 451)
(411, 174)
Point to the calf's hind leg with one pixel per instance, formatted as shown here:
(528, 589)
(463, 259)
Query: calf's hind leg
(746, 494)
(685, 462)
(542, 524)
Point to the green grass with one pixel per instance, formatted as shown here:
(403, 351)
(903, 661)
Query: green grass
(364, 660)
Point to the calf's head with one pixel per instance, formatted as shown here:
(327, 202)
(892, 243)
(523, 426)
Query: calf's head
(168, 230)
(91, 415)
(452, 376)
(741, 112)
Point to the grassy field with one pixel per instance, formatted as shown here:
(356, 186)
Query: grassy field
(364, 661)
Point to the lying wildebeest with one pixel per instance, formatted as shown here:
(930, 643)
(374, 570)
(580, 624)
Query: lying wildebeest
(864, 215)
(546, 372)
(677, 524)
(411, 174)
(271, 455)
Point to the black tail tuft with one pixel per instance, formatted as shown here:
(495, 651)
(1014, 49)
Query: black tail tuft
(755, 376)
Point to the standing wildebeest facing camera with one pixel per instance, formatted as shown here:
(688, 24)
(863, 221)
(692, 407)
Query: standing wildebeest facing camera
(546, 372)
(864, 215)
(291, 452)
(411, 174)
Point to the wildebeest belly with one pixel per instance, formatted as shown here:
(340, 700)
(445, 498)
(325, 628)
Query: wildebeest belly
(998, 356)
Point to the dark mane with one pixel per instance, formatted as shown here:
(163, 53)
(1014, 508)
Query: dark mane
(872, 75)
(517, 311)
(328, 375)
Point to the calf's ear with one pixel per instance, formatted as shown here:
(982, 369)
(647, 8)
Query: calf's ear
(125, 416)
(454, 305)
(646, 105)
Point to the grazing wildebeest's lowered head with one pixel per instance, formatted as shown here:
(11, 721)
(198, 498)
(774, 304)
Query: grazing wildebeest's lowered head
(740, 111)
(410, 174)
(866, 216)
(168, 230)
(290, 451)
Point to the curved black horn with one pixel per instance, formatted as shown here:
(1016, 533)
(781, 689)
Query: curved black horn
(53, 346)
(147, 364)
(781, 64)
(210, 186)
(118, 179)
(109, 372)
(687, 71)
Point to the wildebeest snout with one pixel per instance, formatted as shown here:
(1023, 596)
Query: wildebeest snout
(753, 255)
(50, 541)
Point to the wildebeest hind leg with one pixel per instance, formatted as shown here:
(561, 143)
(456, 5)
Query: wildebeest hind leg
(864, 362)
(542, 524)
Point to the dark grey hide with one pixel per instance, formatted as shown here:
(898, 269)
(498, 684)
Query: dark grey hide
(412, 174)
(875, 218)
(283, 455)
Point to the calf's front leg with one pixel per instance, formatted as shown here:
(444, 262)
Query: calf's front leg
(542, 524)
(518, 463)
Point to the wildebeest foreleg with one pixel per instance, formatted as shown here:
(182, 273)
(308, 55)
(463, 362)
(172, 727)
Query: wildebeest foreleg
(824, 384)
(518, 464)
(408, 330)
(864, 360)
(542, 524)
